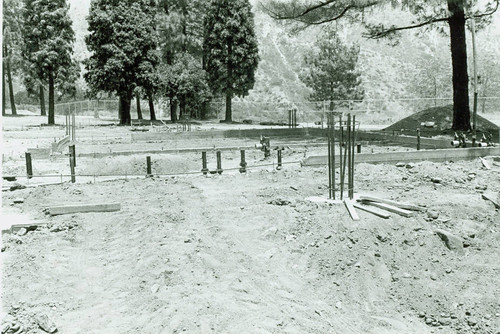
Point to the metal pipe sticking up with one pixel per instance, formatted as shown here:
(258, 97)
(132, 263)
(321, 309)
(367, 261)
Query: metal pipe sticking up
(29, 165)
(204, 168)
(353, 144)
(341, 167)
(279, 159)
(329, 138)
(219, 162)
(243, 164)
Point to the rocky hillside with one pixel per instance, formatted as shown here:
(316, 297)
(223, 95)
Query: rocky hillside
(419, 66)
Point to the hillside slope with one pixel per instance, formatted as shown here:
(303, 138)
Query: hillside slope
(417, 67)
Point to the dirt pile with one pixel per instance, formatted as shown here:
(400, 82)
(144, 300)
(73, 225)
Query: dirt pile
(442, 117)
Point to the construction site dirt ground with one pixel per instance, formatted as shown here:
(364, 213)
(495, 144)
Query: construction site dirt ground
(255, 253)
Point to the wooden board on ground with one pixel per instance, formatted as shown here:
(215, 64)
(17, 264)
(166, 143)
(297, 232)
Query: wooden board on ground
(390, 208)
(373, 211)
(350, 207)
(406, 206)
(493, 198)
(69, 209)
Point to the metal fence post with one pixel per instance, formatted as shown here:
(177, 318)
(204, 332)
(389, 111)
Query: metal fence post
(29, 166)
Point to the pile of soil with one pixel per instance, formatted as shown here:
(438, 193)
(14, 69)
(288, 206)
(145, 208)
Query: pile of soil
(442, 118)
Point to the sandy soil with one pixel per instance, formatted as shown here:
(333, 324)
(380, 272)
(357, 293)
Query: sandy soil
(247, 253)
(250, 253)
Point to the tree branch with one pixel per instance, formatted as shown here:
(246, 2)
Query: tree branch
(393, 29)
(485, 14)
(302, 13)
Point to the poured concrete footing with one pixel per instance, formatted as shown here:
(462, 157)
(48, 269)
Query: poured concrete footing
(454, 154)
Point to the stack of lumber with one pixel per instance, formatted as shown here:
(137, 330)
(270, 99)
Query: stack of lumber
(380, 207)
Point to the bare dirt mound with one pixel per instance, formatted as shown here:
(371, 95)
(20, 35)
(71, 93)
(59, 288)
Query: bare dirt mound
(442, 118)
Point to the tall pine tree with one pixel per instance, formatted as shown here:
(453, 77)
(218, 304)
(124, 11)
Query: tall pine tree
(123, 44)
(11, 32)
(330, 70)
(231, 49)
(48, 45)
(180, 27)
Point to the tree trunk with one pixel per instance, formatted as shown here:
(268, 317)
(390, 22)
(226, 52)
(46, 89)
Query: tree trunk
(9, 79)
(41, 97)
(173, 110)
(152, 114)
(229, 87)
(204, 109)
(182, 107)
(204, 105)
(125, 108)
(119, 108)
(138, 103)
(461, 110)
(51, 98)
(3, 89)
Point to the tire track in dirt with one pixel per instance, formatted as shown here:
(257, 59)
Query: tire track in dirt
(284, 299)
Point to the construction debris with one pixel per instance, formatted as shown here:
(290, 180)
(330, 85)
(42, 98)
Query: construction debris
(406, 206)
(349, 205)
(373, 211)
(485, 163)
(390, 208)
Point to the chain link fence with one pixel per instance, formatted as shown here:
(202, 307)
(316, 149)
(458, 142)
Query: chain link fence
(368, 111)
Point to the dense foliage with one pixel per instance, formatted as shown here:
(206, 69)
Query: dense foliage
(232, 51)
(123, 43)
(330, 70)
(186, 82)
(48, 46)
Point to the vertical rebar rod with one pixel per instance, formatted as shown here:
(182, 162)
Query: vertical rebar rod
(72, 169)
(29, 165)
(219, 162)
(72, 153)
(148, 166)
(349, 158)
(328, 128)
(204, 168)
(279, 159)
(243, 164)
(342, 164)
(333, 155)
(352, 154)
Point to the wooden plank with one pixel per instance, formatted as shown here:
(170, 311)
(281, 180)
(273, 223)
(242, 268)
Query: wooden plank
(406, 206)
(390, 208)
(485, 163)
(489, 196)
(350, 208)
(69, 209)
(373, 211)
